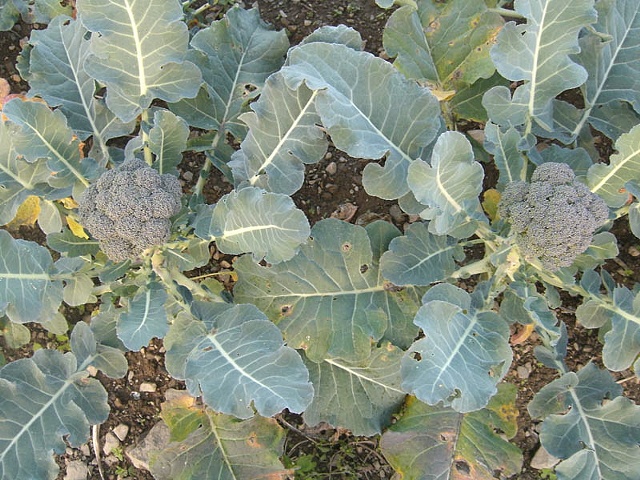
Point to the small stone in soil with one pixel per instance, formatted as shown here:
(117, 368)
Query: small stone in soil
(148, 387)
(121, 431)
(111, 442)
(76, 470)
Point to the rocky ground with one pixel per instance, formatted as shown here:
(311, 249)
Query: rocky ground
(333, 188)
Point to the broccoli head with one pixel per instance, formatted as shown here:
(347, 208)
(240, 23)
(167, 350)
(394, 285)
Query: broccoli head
(554, 217)
(128, 209)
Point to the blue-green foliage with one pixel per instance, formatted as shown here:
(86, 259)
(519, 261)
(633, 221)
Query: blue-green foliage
(343, 323)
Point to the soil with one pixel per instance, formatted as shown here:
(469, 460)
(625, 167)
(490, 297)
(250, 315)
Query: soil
(333, 187)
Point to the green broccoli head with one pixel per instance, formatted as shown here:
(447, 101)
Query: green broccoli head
(128, 209)
(554, 217)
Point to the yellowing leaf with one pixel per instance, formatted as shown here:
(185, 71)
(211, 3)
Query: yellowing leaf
(69, 203)
(490, 203)
(76, 228)
(27, 213)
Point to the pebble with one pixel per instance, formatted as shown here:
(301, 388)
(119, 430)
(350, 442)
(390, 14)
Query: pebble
(121, 431)
(543, 459)
(332, 168)
(76, 470)
(524, 371)
(86, 451)
(156, 439)
(188, 176)
(397, 214)
(148, 387)
(110, 443)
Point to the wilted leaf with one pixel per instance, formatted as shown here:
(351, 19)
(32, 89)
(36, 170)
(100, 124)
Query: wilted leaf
(437, 443)
(212, 446)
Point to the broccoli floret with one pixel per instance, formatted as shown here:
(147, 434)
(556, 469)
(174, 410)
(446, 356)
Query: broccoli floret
(554, 217)
(128, 209)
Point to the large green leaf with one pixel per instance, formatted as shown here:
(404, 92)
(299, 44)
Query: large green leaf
(420, 258)
(283, 137)
(28, 291)
(369, 109)
(44, 134)
(18, 179)
(330, 299)
(359, 396)
(137, 51)
(538, 53)
(612, 60)
(45, 399)
(438, 443)
(464, 354)
(596, 439)
(56, 73)
(251, 220)
(236, 55)
(449, 187)
(145, 318)
(235, 358)
(211, 446)
(504, 145)
(608, 180)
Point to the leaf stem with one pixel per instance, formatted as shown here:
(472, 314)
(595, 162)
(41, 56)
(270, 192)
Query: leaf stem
(507, 13)
(206, 168)
(148, 155)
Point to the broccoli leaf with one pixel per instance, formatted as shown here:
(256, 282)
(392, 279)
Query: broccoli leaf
(56, 73)
(9, 15)
(536, 51)
(138, 52)
(208, 445)
(236, 55)
(612, 60)
(252, 220)
(445, 45)
(330, 299)
(28, 291)
(45, 399)
(436, 442)
(449, 187)
(44, 134)
(235, 358)
(18, 179)
(420, 258)
(504, 145)
(283, 137)
(368, 392)
(622, 341)
(369, 109)
(167, 141)
(464, 355)
(596, 439)
(145, 319)
(608, 180)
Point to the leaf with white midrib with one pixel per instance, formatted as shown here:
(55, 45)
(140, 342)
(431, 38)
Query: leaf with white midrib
(138, 52)
(330, 298)
(613, 63)
(45, 398)
(360, 115)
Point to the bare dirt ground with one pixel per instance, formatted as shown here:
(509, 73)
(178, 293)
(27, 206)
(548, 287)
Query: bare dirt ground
(333, 187)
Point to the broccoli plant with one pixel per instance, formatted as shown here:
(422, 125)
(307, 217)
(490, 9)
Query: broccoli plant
(342, 323)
